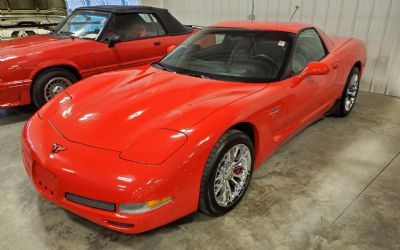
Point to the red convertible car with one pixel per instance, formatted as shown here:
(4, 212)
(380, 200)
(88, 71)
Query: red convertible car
(36, 68)
(136, 149)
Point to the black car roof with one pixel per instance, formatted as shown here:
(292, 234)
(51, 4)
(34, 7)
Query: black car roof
(171, 25)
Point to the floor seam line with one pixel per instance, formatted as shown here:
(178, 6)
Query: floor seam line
(365, 188)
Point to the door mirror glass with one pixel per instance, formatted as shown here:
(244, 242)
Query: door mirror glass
(113, 40)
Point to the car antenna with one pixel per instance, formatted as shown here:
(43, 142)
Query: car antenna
(252, 16)
(294, 12)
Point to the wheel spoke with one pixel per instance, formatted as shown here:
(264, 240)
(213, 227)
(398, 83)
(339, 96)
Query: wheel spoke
(218, 187)
(228, 192)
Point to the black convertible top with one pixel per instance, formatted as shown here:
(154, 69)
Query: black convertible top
(170, 23)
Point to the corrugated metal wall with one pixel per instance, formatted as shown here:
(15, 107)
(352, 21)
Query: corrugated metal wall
(377, 22)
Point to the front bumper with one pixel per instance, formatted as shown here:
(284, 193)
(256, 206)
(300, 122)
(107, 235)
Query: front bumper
(101, 175)
(15, 93)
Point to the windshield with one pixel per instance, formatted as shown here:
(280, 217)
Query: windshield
(232, 55)
(83, 24)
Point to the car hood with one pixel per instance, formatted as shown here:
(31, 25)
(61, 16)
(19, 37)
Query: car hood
(34, 45)
(112, 110)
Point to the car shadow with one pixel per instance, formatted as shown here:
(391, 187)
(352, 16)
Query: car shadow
(16, 114)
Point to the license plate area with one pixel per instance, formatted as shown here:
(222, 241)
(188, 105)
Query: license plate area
(45, 180)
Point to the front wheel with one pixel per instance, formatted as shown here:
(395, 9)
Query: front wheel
(349, 94)
(49, 83)
(227, 173)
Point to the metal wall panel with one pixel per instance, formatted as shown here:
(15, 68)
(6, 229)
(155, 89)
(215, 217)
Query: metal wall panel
(377, 22)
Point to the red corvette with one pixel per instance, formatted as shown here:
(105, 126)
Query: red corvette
(92, 40)
(136, 149)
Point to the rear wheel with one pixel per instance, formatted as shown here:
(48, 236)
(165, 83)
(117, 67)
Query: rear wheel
(227, 173)
(49, 83)
(350, 93)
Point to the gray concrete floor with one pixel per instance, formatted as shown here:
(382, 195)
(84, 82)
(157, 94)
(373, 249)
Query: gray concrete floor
(334, 186)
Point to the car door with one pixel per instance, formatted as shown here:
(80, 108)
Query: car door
(308, 98)
(138, 42)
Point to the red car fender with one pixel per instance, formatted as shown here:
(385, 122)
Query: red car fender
(54, 63)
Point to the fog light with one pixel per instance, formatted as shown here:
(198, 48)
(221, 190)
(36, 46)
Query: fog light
(139, 208)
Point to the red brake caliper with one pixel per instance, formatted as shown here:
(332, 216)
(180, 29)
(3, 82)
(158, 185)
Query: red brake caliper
(238, 170)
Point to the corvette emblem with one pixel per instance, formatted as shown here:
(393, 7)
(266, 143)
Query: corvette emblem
(57, 148)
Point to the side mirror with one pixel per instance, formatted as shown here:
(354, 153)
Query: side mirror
(171, 48)
(113, 40)
(313, 68)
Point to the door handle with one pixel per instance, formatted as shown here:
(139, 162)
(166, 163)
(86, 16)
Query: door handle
(275, 110)
(157, 43)
(335, 65)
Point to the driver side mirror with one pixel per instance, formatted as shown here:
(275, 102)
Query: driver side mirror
(113, 40)
(312, 68)
(170, 48)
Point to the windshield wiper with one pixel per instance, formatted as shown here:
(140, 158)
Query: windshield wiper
(198, 75)
(162, 67)
(68, 33)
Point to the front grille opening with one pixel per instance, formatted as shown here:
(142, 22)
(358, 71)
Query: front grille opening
(102, 205)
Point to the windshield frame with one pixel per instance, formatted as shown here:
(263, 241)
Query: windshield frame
(56, 30)
(279, 76)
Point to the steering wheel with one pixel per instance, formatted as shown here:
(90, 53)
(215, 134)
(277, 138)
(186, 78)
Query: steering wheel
(265, 58)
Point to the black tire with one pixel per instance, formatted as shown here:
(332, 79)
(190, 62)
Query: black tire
(341, 110)
(40, 81)
(207, 201)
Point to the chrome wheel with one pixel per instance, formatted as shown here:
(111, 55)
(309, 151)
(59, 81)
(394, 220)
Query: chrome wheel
(351, 92)
(55, 86)
(232, 175)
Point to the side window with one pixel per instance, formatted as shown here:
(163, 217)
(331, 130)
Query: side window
(309, 48)
(211, 40)
(148, 25)
(158, 25)
(131, 27)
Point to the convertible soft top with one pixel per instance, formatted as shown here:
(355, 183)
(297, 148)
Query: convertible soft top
(169, 22)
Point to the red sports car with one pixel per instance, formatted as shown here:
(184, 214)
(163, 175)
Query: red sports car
(92, 40)
(136, 149)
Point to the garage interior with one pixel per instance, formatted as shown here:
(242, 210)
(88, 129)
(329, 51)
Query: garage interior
(335, 185)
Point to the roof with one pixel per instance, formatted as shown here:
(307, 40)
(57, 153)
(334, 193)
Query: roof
(259, 25)
(121, 8)
(171, 25)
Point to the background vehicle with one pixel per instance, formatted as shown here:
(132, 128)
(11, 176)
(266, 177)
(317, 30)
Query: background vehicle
(134, 150)
(92, 40)
(29, 17)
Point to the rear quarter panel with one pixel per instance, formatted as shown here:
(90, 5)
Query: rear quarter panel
(349, 51)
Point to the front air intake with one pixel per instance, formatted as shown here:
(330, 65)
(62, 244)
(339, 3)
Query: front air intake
(102, 205)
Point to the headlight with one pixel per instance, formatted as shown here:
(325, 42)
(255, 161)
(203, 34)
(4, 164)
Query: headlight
(139, 208)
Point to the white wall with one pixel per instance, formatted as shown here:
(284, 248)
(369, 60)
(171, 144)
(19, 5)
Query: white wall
(377, 22)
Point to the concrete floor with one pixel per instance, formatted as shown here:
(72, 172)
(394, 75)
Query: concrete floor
(334, 186)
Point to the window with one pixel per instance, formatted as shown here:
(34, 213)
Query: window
(309, 48)
(131, 27)
(210, 40)
(232, 54)
(158, 25)
(84, 24)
